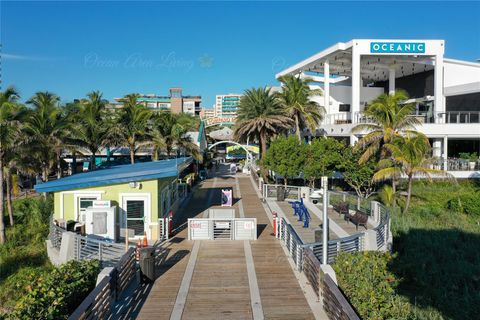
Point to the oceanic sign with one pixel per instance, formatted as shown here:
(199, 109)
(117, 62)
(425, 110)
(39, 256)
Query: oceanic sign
(397, 47)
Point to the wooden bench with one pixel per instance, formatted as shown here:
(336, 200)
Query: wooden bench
(359, 219)
(342, 208)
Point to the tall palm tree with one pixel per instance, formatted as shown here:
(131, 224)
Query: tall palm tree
(409, 156)
(295, 98)
(8, 130)
(261, 117)
(388, 118)
(48, 129)
(132, 124)
(92, 129)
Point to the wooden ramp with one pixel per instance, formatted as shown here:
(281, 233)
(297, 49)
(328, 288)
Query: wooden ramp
(223, 279)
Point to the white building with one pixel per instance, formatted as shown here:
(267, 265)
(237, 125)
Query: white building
(446, 91)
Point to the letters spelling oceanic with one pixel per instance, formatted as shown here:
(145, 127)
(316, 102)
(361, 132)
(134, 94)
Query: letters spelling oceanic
(397, 47)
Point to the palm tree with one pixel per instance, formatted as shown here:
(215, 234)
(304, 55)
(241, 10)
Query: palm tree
(132, 124)
(409, 156)
(170, 131)
(8, 130)
(295, 98)
(260, 116)
(48, 129)
(388, 118)
(92, 129)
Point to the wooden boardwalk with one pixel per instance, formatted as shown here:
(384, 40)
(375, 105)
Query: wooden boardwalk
(225, 279)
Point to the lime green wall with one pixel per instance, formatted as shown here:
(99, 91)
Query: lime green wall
(112, 192)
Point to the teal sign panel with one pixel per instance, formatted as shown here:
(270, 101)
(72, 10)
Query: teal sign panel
(397, 47)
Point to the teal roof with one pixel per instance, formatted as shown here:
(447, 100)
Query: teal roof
(118, 174)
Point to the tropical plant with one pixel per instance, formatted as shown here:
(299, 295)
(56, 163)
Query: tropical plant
(260, 116)
(8, 130)
(92, 125)
(295, 98)
(356, 175)
(169, 131)
(389, 117)
(286, 157)
(408, 158)
(323, 155)
(132, 124)
(47, 128)
(387, 195)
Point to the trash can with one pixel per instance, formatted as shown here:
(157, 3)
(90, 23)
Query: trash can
(147, 263)
(280, 193)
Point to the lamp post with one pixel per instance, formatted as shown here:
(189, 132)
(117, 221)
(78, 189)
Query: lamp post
(325, 221)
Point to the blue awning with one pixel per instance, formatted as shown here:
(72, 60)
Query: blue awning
(118, 174)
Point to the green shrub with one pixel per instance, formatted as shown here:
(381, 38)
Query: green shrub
(369, 285)
(57, 294)
(468, 203)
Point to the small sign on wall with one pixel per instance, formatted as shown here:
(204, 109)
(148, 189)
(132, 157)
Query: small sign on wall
(101, 204)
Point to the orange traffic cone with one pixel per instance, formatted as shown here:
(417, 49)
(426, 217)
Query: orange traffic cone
(145, 242)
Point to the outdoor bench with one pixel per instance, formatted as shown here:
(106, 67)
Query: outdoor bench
(341, 208)
(359, 219)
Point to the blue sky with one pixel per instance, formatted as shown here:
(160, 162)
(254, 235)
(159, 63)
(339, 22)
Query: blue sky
(207, 48)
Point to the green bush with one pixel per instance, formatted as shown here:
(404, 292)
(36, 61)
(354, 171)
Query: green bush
(57, 294)
(369, 285)
(468, 203)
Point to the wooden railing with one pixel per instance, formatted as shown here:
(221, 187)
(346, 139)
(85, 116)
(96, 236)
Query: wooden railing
(311, 269)
(335, 304)
(98, 304)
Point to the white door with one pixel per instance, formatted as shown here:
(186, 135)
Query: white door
(136, 210)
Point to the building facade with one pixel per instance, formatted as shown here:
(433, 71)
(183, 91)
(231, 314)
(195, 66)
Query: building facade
(226, 105)
(175, 102)
(446, 92)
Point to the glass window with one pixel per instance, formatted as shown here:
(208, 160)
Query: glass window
(344, 108)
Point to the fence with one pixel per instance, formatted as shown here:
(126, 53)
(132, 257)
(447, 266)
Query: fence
(228, 229)
(382, 230)
(292, 241)
(98, 304)
(353, 243)
(87, 248)
(55, 235)
(335, 304)
(271, 190)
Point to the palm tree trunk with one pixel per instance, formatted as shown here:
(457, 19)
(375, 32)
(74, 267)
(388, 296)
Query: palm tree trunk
(297, 128)
(2, 224)
(409, 194)
(92, 161)
(132, 154)
(394, 190)
(263, 143)
(8, 185)
(59, 163)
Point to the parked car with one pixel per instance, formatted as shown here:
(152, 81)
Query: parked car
(316, 195)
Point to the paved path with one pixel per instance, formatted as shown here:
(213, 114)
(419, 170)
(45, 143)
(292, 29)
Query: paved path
(225, 279)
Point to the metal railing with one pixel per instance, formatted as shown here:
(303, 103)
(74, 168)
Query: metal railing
(222, 228)
(55, 235)
(353, 243)
(292, 242)
(383, 227)
(87, 248)
(98, 304)
(354, 201)
(455, 164)
(459, 117)
(271, 190)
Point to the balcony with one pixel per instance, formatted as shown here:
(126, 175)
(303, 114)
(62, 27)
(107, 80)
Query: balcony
(456, 164)
(459, 117)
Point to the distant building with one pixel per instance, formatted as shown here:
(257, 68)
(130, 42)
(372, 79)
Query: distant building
(176, 102)
(207, 113)
(226, 105)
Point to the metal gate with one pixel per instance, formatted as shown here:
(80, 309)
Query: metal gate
(222, 229)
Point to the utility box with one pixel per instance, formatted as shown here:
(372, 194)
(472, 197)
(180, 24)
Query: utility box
(147, 263)
(101, 222)
(280, 193)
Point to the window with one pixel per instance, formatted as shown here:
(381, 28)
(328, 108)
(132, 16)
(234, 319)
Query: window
(83, 203)
(344, 108)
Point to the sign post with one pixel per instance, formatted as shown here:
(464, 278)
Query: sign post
(325, 221)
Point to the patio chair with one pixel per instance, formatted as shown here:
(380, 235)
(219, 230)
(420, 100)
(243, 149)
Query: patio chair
(342, 208)
(359, 219)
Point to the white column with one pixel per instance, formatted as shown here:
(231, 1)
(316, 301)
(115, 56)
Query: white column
(439, 105)
(437, 148)
(391, 81)
(326, 86)
(353, 139)
(356, 83)
(445, 153)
